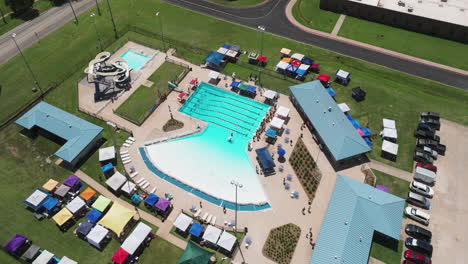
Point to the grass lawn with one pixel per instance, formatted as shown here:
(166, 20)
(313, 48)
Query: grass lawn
(138, 105)
(398, 187)
(309, 14)
(39, 5)
(237, 3)
(408, 42)
(386, 254)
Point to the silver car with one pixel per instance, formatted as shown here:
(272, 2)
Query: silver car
(421, 188)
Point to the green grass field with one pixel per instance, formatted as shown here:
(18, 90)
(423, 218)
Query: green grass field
(237, 3)
(386, 254)
(138, 104)
(39, 5)
(308, 13)
(397, 186)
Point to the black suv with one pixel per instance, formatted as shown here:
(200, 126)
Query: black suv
(418, 232)
(435, 123)
(430, 114)
(426, 134)
(419, 246)
(425, 127)
(440, 148)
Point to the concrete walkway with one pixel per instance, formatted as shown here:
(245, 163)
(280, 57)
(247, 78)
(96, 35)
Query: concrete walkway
(338, 24)
(377, 165)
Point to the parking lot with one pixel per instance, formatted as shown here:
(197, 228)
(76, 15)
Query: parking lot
(449, 213)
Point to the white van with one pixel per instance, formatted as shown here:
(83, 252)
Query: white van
(425, 175)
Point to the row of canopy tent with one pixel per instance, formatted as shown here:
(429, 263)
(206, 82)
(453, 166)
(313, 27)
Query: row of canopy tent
(364, 132)
(243, 88)
(119, 182)
(159, 203)
(132, 243)
(217, 59)
(265, 160)
(211, 234)
(389, 134)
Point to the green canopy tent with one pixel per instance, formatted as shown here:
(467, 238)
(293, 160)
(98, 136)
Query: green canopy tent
(194, 254)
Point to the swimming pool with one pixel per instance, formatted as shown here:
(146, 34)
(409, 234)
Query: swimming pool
(205, 163)
(134, 59)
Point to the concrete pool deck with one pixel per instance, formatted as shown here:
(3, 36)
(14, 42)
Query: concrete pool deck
(284, 209)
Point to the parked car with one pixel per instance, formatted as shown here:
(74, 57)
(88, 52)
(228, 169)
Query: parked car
(422, 157)
(429, 151)
(417, 215)
(425, 176)
(427, 166)
(430, 114)
(418, 232)
(425, 127)
(419, 245)
(426, 134)
(435, 123)
(440, 148)
(418, 200)
(421, 188)
(416, 257)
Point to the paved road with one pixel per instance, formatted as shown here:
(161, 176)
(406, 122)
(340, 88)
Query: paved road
(273, 16)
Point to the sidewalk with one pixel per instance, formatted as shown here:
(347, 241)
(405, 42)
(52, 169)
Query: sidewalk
(391, 170)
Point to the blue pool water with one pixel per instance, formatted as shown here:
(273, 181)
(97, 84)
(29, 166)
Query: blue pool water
(134, 59)
(205, 163)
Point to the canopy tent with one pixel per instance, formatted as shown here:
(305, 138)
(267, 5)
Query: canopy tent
(62, 216)
(117, 218)
(269, 94)
(291, 68)
(106, 153)
(66, 260)
(84, 228)
(227, 241)
(107, 167)
(71, 180)
(355, 124)
(93, 216)
(323, 77)
(222, 50)
(232, 53)
(331, 92)
(213, 75)
(304, 67)
(151, 199)
(181, 95)
(270, 133)
(15, 243)
(182, 222)
(194, 254)
(298, 56)
(282, 65)
(214, 58)
(97, 235)
(43, 258)
(212, 234)
(50, 185)
(128, 187)
(62, 190)
(31, 253)
(136, 238)
(50, 203)
(35, 200)
(136, 198)
(296, 63)
(342, 74)
(253, 56)
(101, 203)
(162, 204)
(235, 48)
(344, 107)
(390, 147)
(262, 58)
(264, 158)
(283, 112)
(287, 60)
(235, 84)
(308, 61)
(87, 194)
(301, 72)
(75, 205)
(120, 256)
(116, 181)
(196, 229)
(277, 123)
(389, 133)
(388, 123)
(285, 51)
(367, 132)
(226, 46)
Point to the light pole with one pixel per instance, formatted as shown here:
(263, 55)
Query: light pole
(98, 9)
(161, 30)
(93, 16)
(36, 82)
(73, 10)
(112, 19)
(262, 32)
(237, 185)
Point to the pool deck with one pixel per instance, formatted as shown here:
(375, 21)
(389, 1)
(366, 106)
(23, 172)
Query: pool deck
(284, 209)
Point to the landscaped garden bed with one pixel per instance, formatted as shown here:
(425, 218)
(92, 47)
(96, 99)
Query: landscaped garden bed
(281, 243)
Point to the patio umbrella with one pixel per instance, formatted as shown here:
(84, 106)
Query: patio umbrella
(281, 152)
(289, 177)
(296, 194)
(248, 240)
(287, 186)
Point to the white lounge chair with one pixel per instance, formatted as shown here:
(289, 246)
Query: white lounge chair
(197, 213)
(140, 180)
(125, 155)
(213, 220)
(123, 152)
(127, 161)
(132, 139)
(153, 190)
(126, 145)
(209, 218)
(145, 185)
(132, 175)
(205, 216)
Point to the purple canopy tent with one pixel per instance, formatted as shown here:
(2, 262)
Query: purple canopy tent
(382, 188)
(15, 243)
(162, 204)
(71, 180)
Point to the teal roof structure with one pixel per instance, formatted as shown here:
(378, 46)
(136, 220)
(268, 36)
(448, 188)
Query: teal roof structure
(334, 128)
(76, 131)
(354, 212)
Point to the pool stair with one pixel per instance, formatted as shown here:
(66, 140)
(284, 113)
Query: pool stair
(164, 139)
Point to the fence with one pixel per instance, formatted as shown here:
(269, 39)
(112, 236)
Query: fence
(105, 119)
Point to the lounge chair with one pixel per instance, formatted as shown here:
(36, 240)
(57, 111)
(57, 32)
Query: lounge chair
(145, 185)
(205, 216)
(132, 175)
(209, 218)
(197, 213)
(124, 155)
(128, 141)
(153, 190)
(126, 145)
(123, 152)
(127, 161)
(126, 158)
(213, 220)
(140, 180)
(132, 139)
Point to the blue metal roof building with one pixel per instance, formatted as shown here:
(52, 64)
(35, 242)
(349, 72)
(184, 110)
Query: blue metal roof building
(78, 133)
(354, 212)
(338, 134)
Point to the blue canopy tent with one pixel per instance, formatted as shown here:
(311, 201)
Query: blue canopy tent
(151, 199)
(136, 199)
(215, 60)
(93, 216)
(235, 84)
(196, 229)
(266, 161)
(107, 167)
(50, 203)
(281, 152)
(270, 133)
(368, 141)
(355, 124)
(348, 116)
(226, 46)
(291, 70)
(366, 132)
(331, 92)
(301, 72)
(308, 61)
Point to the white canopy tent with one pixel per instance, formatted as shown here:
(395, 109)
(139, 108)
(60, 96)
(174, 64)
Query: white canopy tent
(282, 65)
(222, 50)
(390, 147)
(212, 234)
(36, 197)
(298, 56)
(43, 258)
(344, 107)
(116, 181)
(66, 260)
(232, 53)
(227, 241)
(390, 133)
(137, 237)
(342, 74)
(283, 112)
(388, 123)
(269, 94)
(75, 205)
(304, 67)
(213, 75)
(107, 153)
(277, 123)
(182, 222)
(96, 235)
(128, 187)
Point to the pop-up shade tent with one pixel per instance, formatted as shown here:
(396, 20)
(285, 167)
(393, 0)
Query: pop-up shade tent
(120, 256)
(151, 199)
(107, 167)
(62, 216)
(277, 123)
(232, 53)
(390, 148)
(213, 75)
(106, 153)
(390, 133)
(307, 61)
(182, 222)
(31, 253)
(116, 181)
(50, 203)
(388, 123)
(75, 205)
(15, 243)
(194, 254)
(50, 185)
(97, 235)
(283, 112)
(93, 216)
(344, 107)
(343, 75)
(222, 50)
(35, 200)
(214, 58)
(62, 190)
(264, 158)
(323, 77)
(162, 204)
(84, 228)
(196, 229)
(43, 258)
(298, 56)
(101, 203)
(87, 194)
(212, 234)
(67, 260)
(71, 180)
(285, 51)
(281, 66)
(227, 241)
(269, 94)
(271, 133)
(128, 187)
(117, 218)
(136, 238)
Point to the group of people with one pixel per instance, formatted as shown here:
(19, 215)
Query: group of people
(269, 115)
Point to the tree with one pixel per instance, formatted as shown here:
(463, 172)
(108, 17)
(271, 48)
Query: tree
(19, 6)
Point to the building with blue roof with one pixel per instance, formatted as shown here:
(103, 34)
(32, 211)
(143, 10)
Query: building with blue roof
(356, 212)
(327, 122)
(80, 135)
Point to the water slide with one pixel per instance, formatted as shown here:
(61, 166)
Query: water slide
(118, 67)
